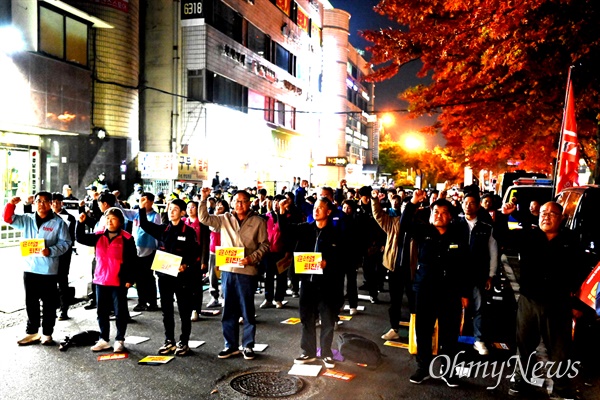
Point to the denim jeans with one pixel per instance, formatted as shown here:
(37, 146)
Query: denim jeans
(477, 312)
(40, 287)
(107, 298)
(238, 292)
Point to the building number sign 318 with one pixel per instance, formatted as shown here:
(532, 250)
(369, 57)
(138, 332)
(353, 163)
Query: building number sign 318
(192, 8)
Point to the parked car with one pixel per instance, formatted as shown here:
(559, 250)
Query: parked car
(581, 208)
(523, 193)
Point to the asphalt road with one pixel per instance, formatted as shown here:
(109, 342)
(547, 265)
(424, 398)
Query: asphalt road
(39, 372)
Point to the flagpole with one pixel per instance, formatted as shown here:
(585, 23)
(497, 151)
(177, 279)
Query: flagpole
(562, 130)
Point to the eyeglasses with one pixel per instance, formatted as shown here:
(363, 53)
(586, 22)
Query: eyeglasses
(43, 202)
(550, 214)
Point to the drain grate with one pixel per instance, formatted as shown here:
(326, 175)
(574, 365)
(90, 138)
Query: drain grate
(267, 384)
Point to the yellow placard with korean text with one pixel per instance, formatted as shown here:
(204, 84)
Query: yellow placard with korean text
(166, 263)
(308, 263)
(228, 256)
(32, 247)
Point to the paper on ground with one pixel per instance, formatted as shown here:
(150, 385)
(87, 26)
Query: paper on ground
(257, 347)
(359, 308)
(136, 339)
(194, 344)
(364, 297)
(305, 370)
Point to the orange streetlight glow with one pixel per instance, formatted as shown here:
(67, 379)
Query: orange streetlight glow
(387, 119)
(413, 142)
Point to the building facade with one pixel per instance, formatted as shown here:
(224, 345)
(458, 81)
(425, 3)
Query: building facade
(243, 87)
(69, 73)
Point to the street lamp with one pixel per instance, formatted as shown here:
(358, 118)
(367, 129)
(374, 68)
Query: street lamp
(413, 142)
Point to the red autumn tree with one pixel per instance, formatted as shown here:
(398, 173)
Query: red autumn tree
(499, 72)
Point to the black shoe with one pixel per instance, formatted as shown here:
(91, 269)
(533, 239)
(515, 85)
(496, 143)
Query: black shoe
(363, 287)
(565, 394)
(451, 381)
(227, 352)
(518, 388)
(328, 362)
(90, 305)
(420, 376)
(151, 307)
(64, 317)
(140, 307)
(248, 354)
(304, 359)
(167, 348)
(182, 349)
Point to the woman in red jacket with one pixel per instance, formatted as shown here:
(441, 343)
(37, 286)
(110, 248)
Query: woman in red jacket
(115, 257)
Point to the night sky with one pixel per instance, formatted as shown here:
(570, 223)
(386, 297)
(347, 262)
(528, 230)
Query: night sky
(386, 92)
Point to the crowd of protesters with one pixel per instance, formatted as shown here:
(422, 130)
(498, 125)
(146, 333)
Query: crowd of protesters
(440, 249)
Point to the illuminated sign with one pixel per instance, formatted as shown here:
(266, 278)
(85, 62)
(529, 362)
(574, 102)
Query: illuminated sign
(192, 9)
(336, 161)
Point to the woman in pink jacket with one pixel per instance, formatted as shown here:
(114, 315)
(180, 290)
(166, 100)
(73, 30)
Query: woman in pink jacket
(115, 257)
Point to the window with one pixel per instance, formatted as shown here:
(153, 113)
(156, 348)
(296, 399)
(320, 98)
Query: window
(62, 36)
(227, 21)
(270, 109)
(284, 59)
(277, 112)
(5, 12)
(195, 85)
(226, 92)
(259, 42)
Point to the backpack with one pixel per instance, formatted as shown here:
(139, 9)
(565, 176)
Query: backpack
(359, 349)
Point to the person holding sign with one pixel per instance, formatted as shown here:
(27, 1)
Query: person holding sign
(322, 291)
(178, 239)
(41, 269)
(116, 257)
(240, 228)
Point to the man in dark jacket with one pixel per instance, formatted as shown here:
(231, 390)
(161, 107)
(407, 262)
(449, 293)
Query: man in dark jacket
(552, 270)
(179, 239)
(440, 281)
(320, 295)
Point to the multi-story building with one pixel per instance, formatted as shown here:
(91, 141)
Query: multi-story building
(255, 90)
(69, 99)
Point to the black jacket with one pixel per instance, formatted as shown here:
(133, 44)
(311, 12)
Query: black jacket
(177, 239)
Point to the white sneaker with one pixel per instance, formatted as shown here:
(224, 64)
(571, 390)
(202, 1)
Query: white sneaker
(100, 345)
(353, 311)
(195, 316)
(481, 349)
(278, 304)
(47, 340)
(390, 335)
(119, 346)
(266, 304)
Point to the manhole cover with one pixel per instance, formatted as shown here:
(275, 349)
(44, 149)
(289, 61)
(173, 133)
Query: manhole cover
(267, 384)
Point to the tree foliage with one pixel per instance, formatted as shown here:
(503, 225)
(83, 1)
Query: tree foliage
(499, 72)
(437, 165)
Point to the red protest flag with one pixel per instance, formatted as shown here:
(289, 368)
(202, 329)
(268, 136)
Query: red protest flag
(568, 151)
